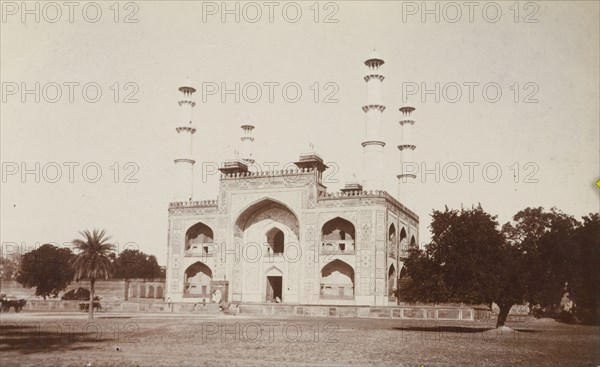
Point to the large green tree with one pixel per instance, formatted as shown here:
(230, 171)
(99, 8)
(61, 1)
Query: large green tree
(132, 264)
(585, 282)
(467, 261)
(547, 242)
(92, 261)
(47, 268)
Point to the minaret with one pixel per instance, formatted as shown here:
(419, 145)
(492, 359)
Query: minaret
(246, 146)
(373, 143)
(184, 164)
(406, 181)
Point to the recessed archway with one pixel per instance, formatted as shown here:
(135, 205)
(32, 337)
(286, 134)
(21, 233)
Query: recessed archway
(150, 292)
(338, 236)
(266, 208)
(391, 280)
(276, 241)
(199, 238)
(391, 242)
(264, 228)
(403, 244)
(133, 291)
(402, 280)
(197, 280)
(337, 280)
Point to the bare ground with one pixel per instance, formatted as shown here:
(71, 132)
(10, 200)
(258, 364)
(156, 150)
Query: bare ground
(37, 339)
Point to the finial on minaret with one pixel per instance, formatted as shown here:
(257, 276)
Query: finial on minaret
(373, 143)
(184, 164)
(374, 61)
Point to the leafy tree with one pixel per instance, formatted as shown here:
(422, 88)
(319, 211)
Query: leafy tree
(131, 264)
(467, 261)
(546, 241)
(92, 262)
(585, 280)
(47, 268)
(9, 266)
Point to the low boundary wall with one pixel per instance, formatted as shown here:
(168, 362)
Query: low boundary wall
(393, 312)
(407, 312)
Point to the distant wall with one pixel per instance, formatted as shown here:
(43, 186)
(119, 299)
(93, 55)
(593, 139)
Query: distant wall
(13, 287)
(113, 289)
(108, 290)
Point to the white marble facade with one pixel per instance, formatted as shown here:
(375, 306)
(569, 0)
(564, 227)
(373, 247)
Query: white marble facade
(280, 237)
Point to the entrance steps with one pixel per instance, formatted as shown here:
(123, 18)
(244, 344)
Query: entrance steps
(207, 309)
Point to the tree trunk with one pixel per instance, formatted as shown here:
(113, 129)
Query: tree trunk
(503, 315)
(91, 310)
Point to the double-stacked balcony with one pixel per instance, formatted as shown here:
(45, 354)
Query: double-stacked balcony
(200, 250)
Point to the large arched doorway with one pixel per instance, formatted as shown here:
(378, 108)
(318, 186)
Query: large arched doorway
(197, 281)
(337, 281)
(262, 230)
(337, 236)
(274, 286)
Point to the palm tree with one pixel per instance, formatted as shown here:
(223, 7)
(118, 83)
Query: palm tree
(92, 262)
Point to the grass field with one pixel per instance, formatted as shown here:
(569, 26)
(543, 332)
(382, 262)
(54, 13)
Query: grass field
(38, 339)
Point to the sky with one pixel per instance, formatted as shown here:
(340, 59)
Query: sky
(106, 81)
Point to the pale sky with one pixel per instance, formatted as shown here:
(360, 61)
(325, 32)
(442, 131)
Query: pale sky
(555, 61)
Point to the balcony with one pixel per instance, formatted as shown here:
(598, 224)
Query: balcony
(200, 250)
(337, 247)
(268, 253)
(197, 291)
(337, 291)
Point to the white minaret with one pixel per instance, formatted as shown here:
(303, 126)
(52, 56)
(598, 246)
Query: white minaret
(184, 164)
(246, 146)
(407, 178)
(373, 143)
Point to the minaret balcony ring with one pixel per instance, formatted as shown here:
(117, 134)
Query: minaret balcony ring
(373, 107)
(373, 142)
(407, 146)
(193, 104)
(374, 76)
(185, 128)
